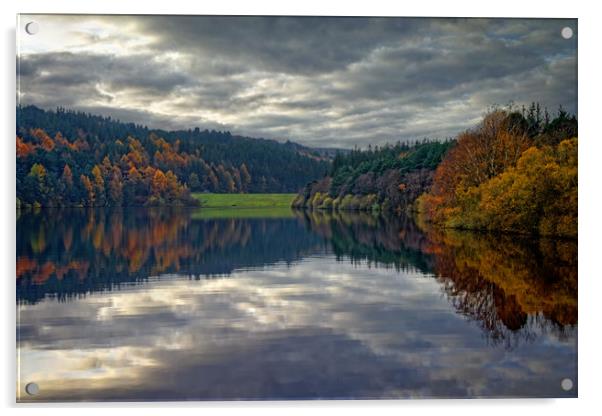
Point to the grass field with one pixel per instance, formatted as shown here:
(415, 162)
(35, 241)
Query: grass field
(244, 200)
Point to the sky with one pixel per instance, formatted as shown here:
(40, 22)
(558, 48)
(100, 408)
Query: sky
(322, 82)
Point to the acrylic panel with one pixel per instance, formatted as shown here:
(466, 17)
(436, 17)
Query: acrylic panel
(281, 208)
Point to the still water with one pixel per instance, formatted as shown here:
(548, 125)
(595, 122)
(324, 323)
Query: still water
(189, 304)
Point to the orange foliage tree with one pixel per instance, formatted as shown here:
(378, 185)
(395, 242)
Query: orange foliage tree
(495, 179)
(24, 149)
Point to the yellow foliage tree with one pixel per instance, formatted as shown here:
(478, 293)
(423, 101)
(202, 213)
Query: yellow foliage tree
(538, 195)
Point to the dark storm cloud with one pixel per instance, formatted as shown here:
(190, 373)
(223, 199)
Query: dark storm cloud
(282, 44)
(320, 81)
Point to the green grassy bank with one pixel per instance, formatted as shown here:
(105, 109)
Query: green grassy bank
(244, 200)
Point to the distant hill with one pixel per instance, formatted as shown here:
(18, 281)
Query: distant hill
(319, 153)
(201, 160)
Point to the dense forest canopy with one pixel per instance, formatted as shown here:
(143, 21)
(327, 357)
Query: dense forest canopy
(73, 158)
(515, 171)
(389, 177)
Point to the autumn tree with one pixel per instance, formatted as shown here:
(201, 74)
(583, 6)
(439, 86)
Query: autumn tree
(172, 188)
(44, 139)
(116, 187)
(67, 177)
(237, 180)
(137, 155)
(99, 186)
(229, 183)
(538, 195)
(245, 176)
(493, 180)
(35, 186)
(89, 187)
(24, 149)
(65, 187)
(62, 141)
(133, 186)
(479, 154)
(159, 183)
(106, 168)
(213, 181)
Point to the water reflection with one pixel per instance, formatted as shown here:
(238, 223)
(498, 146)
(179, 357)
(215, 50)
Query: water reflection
(72, 252)
(293, 306)
(497, 280)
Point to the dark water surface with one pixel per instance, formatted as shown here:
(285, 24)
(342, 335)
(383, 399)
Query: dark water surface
(165, 304)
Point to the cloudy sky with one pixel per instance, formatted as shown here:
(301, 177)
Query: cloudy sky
(318, 81)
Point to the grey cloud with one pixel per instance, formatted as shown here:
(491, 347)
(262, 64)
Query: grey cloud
(282, 44)
(132, 72)
(319, 81)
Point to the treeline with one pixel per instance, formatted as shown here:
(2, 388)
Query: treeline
(516, 172)
(67, 158)
(82, 182)
(388, 178)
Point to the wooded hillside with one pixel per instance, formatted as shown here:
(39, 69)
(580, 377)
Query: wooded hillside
(388, 177)
(67, 158)
(516, 171)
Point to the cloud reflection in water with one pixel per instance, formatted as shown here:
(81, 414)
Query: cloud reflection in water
(322, 326)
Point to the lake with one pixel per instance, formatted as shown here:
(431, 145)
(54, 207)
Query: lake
(192, 304)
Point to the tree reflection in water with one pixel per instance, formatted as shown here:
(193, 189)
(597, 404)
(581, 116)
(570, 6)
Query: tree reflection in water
(66, 253)
(514, 287)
